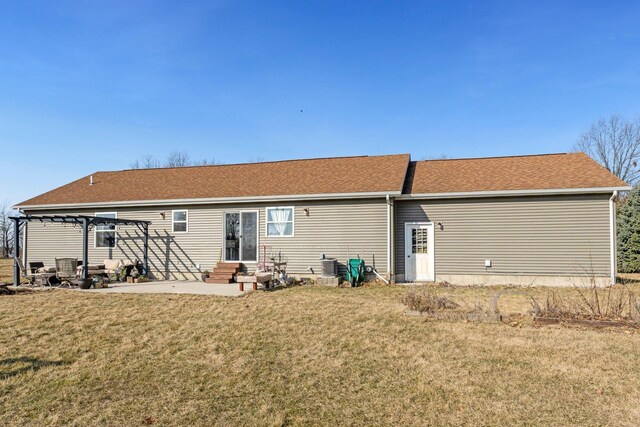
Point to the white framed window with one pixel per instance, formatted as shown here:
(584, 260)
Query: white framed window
(180, 221)
(106, 234)
(280, 222)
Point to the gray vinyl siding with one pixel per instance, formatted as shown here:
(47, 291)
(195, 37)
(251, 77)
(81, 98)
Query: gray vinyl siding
(541, 235)
(338, 229)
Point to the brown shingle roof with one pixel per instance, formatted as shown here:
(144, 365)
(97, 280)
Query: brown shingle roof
(338, 175)
(536, 172)
(363, 174)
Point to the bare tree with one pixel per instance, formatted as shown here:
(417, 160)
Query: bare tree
(6, 231)
(206, 162)
(146, 162)
(615, 144)
(440, 157)
(178, 159)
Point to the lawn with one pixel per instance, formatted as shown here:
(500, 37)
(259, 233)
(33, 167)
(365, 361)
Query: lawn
(303, 356)
(6, 270)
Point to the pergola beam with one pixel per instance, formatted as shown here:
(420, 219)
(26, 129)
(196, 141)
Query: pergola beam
(79, 220)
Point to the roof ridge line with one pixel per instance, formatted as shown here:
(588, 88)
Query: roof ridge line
(257, 163)
(499, 157)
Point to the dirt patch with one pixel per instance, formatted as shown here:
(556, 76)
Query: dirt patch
(586, 322)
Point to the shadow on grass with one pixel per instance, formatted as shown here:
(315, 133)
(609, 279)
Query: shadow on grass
(29, 364)
(628, 279)
(296, 284)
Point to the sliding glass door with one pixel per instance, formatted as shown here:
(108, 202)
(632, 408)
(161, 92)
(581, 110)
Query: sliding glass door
(249, 236)
(241, 236)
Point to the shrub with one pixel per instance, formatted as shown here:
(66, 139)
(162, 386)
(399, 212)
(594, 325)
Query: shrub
(612, 303)
(427, 300)
(628, 225)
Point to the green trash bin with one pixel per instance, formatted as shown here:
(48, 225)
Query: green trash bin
(355, 271)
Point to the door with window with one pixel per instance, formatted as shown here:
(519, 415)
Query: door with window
(419, 252)
(241, 236)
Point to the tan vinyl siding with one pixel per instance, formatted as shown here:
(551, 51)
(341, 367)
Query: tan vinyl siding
(336, 228)
(541, 235)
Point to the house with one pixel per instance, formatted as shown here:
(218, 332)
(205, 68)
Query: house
(544, 219)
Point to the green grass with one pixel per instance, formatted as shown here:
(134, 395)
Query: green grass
(302, 356)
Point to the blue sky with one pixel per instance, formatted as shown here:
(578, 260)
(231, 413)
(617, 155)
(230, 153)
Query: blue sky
(88, 85)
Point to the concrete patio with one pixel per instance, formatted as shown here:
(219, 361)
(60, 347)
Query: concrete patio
(169, 287)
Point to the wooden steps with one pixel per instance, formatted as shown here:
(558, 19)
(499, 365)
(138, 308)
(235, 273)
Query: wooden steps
(224, 272)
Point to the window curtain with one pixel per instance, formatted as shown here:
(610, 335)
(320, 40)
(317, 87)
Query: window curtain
(280, 219)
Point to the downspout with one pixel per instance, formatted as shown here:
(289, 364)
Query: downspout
(612, 236)
(389, 239)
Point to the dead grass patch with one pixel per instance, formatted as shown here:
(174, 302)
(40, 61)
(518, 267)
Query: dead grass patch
(308, 355)
(6, 270)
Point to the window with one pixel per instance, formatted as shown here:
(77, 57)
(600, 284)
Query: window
(179, 221)
(279, 222)
(106, 233)
(419, 240)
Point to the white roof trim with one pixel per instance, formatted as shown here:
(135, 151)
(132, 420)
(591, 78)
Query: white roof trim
(504, 193)
(208, 201)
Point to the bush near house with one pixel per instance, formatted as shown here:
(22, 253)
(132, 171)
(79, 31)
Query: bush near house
(628, 232)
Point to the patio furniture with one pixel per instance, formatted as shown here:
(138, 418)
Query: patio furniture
(112, 266)
(96, 270)
(116, 267)
(34, 266)
(277, 270)
(48, 276)
(34, 277)
(263, 278)
(66, 271)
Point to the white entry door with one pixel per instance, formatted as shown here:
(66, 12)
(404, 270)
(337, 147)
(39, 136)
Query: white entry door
(419, 252)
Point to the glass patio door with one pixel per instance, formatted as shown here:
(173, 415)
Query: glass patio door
(249, 236)
(241, 236)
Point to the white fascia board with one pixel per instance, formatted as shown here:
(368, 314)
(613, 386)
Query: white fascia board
(210, 201)
(505, 193)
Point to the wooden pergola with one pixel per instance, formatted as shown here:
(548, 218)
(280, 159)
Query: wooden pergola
(85, 222)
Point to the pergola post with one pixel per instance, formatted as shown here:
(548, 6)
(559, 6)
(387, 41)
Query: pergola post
(16, 251)
(146, 249)
(85, 248)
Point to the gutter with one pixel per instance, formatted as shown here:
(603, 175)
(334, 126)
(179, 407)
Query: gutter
(505, 193)
(612, 237)
(210, 201)
(331, 196)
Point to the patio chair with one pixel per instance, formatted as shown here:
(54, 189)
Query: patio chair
(66, 271)
(34, 278)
